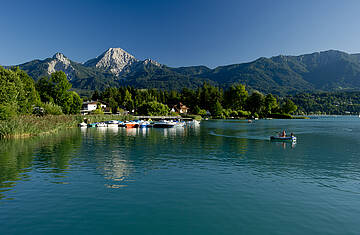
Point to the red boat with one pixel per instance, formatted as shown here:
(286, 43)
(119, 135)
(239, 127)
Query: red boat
(131, 124)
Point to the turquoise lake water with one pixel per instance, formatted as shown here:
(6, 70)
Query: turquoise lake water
(222, 177)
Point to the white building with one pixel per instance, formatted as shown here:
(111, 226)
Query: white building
(90, 106)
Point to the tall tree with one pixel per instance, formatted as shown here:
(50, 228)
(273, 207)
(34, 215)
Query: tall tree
(289, 106)
(255, 102)
(56, 90)
(128, 101)
(235, 97)
(270, 104)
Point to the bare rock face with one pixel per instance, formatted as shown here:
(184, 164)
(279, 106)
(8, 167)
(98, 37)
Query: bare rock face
(59, 62)
(114, 60)
(150, 61)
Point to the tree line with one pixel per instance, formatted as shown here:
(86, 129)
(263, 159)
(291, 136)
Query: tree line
(19, 94)
(336, 103)
(205, 100)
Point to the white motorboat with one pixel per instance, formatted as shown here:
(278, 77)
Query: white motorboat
(101, 124)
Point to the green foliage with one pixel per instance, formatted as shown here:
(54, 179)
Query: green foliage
(235, 97)
(338, 103)
(280, 116)
(270, 104)
(218, 109)
(56, 90)
(17, 93)
(128, 102)
(76, 104)
(255, 102)
(202, 112)
(52, 109)
(242, 113)
(288, 106)
(98, 111)
(31, 125)
(153, 109)
(8, 111)
(207, 97)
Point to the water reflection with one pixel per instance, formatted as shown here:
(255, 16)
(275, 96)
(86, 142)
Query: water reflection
(50, 155)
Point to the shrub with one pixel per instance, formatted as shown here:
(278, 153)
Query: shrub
(52, 109)
(7, 111)
(98, 111)
(153, 108)
(242, 113)
(202, 112)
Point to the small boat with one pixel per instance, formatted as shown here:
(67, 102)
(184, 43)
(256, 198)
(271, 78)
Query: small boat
(112, 123)
(287, 138)
(91, 125)
(144, 124)
(131, 124)
(101, 124)
(83, 124)
(164, 124)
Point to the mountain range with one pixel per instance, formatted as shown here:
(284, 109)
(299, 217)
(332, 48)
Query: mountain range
(320, 71)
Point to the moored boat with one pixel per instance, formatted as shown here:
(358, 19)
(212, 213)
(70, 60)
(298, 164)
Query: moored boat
(112, 123)
(83, 124)
(164, 124)
(144, 124)
(101, 124)
(180, 124)
(131, 124)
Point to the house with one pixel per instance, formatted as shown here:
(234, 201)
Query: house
(180, 108)
(88, 107)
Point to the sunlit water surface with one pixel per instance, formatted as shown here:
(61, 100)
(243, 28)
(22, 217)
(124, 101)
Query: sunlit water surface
(222, 177)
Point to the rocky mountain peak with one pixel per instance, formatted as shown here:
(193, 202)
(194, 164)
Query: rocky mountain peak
(61, 57)
(150, 61)
(114, 60)
(60, 62)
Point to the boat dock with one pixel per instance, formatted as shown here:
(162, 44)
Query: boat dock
(156, 118)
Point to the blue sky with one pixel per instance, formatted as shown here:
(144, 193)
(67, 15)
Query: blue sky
(177, 33)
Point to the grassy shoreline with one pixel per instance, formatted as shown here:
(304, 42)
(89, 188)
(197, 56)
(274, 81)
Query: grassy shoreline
(30, 125)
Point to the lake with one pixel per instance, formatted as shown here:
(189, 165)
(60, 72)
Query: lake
(221, 177)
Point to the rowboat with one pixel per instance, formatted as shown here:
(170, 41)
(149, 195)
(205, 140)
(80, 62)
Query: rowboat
(287, 138)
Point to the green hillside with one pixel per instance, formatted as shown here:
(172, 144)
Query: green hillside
(322, 71)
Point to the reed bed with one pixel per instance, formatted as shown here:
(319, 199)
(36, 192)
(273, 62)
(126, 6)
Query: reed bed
(31, 125)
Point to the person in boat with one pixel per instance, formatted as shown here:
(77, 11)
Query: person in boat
(292, 134)
(283, 134)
